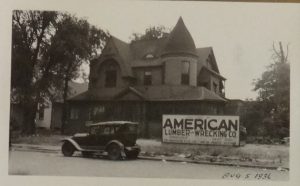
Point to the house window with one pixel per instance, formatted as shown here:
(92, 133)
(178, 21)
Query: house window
(185, 67)
(147, 78)
(96, 113)
(41, 113)
(110, 78)
(74, 114)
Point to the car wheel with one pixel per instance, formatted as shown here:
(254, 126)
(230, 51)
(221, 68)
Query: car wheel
(87, 154)
(114, 152)
(67, 149)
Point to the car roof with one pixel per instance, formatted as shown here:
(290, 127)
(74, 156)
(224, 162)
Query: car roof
(111, 123)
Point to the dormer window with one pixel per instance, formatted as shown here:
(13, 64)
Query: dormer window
(147, 78)
(111, 75)
(149, 56)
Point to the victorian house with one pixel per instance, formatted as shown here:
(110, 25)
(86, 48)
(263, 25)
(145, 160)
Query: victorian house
(142, 80)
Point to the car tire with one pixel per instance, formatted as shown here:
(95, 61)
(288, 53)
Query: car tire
(67, 149)
(114, 152)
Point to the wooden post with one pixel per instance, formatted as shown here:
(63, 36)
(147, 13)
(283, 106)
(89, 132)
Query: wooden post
(144, 120)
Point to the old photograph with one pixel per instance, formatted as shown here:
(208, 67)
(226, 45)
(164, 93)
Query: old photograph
(154, 89)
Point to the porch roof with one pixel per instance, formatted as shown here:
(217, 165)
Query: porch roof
(152, 93)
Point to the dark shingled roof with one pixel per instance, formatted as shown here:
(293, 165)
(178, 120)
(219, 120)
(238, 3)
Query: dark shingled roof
(203, 54)
(104, 94)
(154, 93)
(143, 47)
(74, 90)
(125, 54)
(178, 93)
(180, 40)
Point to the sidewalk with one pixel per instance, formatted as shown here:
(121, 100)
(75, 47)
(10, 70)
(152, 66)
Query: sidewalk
(37, 148)
(154, 150)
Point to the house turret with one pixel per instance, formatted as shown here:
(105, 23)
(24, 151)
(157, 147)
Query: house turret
(180, 41)
(179, 56)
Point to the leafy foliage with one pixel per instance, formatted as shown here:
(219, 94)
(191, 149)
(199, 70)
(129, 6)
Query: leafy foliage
(273, 102)
(74, 43)
(47, 50)
(31, 31)
(151, 33)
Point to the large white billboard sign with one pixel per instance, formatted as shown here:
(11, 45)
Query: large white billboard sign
(201, 129)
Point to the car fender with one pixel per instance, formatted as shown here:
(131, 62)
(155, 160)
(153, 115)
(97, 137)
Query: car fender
(74, 143)
(120, 145)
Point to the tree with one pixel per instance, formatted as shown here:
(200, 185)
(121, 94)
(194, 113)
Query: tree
(31, 31)
(151, 33)
(274, 92)
(47, 49)
(74, 43)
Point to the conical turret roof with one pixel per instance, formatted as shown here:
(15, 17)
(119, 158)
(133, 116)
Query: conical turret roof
(180, 41)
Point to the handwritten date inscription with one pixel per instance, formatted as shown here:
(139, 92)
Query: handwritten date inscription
(255, 176)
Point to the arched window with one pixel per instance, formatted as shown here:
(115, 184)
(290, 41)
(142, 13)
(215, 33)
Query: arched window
(110, 73)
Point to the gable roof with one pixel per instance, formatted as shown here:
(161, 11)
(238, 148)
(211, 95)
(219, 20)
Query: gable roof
(204, 53)
(125, 55)
(128, 91)
(118, 50)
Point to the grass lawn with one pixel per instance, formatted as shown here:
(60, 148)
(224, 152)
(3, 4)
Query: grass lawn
(254, 153)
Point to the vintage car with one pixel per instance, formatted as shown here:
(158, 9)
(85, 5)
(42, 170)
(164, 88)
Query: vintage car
(117, 139)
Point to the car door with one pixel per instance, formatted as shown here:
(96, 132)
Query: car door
(86, 140)
(103, 136)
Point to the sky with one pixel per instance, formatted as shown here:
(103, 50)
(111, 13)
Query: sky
(241, 34)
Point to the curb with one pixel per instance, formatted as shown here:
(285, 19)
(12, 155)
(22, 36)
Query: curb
(36, 148)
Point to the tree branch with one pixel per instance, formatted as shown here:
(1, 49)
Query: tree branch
(287, 53)
(276, 52)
